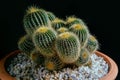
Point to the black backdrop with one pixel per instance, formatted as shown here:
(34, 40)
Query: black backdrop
(101, 17)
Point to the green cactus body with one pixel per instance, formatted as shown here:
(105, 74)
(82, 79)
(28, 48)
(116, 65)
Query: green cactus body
(62, 29)
(82, 33)
(51, 16)
(84, 57)
(73, 20)
(92, 44)
(35, 18)
(44, 39)
(37, 58)
(67, 47)
(53, 63)
(26, 45)
(57, 23)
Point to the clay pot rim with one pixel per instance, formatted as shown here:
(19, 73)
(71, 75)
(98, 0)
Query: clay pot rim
(112, 74)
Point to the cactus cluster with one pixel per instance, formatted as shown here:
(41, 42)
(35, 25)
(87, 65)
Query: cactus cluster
(54, 43)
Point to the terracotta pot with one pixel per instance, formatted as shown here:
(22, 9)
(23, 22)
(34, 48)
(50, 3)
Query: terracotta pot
(113, 70)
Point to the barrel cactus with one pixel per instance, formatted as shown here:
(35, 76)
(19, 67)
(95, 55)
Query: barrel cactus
(92, 44)
(84, 57)
(81, 31)
(55, 43)
(35, 18)
(67, 47)
(44, 39)
(26, 44)
(57, 23)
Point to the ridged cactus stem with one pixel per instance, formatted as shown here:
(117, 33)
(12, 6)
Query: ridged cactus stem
(51, 16)
(82, 32)
(35, 18)
(26, 44)
(92, 44)
(67, 47)
(57, 23)
(84, 57)
(44, 39)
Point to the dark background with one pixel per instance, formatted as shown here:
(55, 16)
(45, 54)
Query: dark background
(102, 18)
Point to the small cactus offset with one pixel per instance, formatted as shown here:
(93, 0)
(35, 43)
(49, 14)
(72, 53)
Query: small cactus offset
(82, 33)
(35, 18)
(55, 43)
(84, 57)
(92, 44)
(44, 39)
(26, 44)
(57, 23)
(51, 16)
(53, 63)
(68, 47)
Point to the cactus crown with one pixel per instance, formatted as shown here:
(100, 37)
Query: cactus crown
(32, 9)
(92, 38)
(65, 35)
(62, 29)
(57, 20)
(77, 27)
(42, 42)
(71, 19)
(42, 29)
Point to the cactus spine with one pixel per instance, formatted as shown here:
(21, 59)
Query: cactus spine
(82, 33)
(35, 18)
(26, 45)
(92, 44)
(53, 63)
(84, 57)
(43, 39)
(57, 23)
(67, 47)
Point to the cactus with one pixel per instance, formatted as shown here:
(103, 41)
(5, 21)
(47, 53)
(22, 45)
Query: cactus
(43, 39)
(62, 29)
(53, 63)
(35, 18)
(51, 16)
(55, 43)
(84, 57)
(73, 20)
(26, 44)
(57, 23)
(92, 44)
(82, 33)
(36, 57)
(67, 47)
